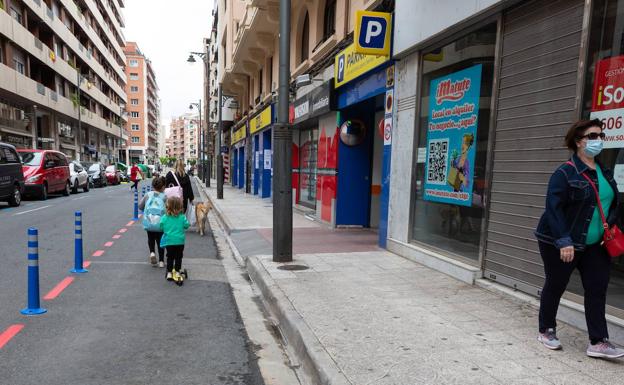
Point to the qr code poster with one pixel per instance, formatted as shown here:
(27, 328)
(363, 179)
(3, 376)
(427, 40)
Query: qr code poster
(452, 136)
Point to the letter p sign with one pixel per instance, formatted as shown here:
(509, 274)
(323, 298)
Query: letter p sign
(372, 33)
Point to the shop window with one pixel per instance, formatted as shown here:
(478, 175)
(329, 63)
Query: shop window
(308, 153)
(454, 121)
(305, 39)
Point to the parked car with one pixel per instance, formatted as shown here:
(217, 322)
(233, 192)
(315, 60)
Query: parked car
(97, 173)
(78, 176)
(45, 171)
(11, 175)
(113, 175)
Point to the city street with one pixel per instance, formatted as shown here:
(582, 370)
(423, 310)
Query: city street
(121, 323)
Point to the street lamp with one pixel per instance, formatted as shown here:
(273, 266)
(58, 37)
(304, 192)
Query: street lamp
(201, 165)
(205, 175)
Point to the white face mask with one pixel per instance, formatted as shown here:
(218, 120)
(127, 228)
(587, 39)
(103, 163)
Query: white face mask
(593, 147)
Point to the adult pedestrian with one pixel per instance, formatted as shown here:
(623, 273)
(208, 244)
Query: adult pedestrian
(184, 182)
(136, 175)
(570, 232)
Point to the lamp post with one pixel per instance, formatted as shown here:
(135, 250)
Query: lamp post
(201, 167)
(191, 59)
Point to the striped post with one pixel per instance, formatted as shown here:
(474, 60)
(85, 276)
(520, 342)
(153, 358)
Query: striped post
(34, 305)
(143, 191)
(78, 266)
(136, 205)
(149, 188)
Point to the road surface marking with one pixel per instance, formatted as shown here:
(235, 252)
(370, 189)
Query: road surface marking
(108, 244)
(59, 288)
(86, 264)
(123, 230)
(130, 223)
(82, 197)
(30, 211)
(116, 236)
(9, 333)
(122, 262)
(98, 253)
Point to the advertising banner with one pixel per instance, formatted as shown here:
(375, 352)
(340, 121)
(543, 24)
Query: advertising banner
(452, 136)
(608, 99)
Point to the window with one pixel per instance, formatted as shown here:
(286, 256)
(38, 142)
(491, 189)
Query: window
(17, 15)
(329, 21)
(134, 102)
(134, 89)
(134, 76)
(134, 114)
(135, 127)
(133, 63)
(305, 38)
(271, 73)
(260, 82)
(448, 198)
(19, 66)
(135, 139)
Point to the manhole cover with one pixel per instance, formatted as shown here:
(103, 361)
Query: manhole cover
(293, 267)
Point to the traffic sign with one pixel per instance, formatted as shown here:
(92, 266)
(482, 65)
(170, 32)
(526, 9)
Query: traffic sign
(372, 32)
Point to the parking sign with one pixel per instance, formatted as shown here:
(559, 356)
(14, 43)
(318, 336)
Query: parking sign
(372, 32)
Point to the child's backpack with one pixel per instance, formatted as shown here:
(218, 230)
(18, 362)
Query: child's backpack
(154, 211)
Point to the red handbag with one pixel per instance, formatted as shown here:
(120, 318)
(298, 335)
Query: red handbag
(613, 239)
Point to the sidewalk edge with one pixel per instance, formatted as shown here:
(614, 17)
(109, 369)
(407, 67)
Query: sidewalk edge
(227, 226)
(315, 360)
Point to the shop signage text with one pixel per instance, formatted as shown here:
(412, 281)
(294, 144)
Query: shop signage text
(239, 134)
(261, 120)
(452, 136)
(372, 32)
(349, 64)
(608, 99)
(317, 102)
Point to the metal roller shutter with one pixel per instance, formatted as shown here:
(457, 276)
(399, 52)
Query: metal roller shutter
(536, 105)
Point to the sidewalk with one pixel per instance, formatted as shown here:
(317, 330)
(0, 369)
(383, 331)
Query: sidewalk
(361, 315)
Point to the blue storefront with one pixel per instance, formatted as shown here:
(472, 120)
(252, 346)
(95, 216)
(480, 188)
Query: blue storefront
(237, 154)
(262, 157)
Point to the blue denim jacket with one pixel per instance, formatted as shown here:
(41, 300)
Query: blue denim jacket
(570, 204)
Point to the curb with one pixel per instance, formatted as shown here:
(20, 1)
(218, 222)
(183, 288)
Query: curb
(315, 360)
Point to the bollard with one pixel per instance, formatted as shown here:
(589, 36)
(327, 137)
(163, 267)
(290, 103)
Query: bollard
(33, 275)
(78, 267)
(149, 188)
(143, 191)
(136, 205)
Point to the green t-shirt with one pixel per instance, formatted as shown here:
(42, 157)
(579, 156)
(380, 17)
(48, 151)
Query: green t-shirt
(173, 229)
(596, 229)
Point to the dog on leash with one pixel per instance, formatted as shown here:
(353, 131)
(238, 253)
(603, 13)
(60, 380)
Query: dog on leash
(201, 214)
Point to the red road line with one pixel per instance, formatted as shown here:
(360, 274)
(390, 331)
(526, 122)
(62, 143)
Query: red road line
(116, 236)
(98, 253)
(59, 288)
(130, 223)
(123, 230)
(86, 264)
(108, 244)
(9, 333)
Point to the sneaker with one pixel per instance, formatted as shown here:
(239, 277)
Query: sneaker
(152, 259)
(161, 264)
(169, 276)
(549, 339)
(604, 349)
(176, 276)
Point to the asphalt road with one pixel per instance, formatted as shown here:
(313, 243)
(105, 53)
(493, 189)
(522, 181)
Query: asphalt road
(121, 323)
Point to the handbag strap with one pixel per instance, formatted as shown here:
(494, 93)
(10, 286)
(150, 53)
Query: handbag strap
(176, 178)
(591, 182)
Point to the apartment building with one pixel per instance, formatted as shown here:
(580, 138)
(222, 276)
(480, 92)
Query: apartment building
(62, 84)
(143, 109)
(184, 138)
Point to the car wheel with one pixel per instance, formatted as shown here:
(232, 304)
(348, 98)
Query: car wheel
(44, 192)
(74, 189)
(86, 186)
(15, 199)
(67, 190)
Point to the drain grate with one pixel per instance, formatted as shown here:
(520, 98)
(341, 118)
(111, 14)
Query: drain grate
(293, 267)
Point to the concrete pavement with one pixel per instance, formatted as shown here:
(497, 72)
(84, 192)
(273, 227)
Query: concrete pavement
(357, 314)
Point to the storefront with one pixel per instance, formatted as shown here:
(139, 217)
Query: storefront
(67, 139)
(492, 93)
(15, 127)
(262, 159)
(237, 151)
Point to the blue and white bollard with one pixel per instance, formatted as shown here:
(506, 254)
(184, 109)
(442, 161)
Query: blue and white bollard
(136, 205)
(78, 266)
(143, 191)
(34, 305)
(149, 188)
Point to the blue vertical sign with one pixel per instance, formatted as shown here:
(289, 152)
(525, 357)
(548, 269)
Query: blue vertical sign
(452, 136)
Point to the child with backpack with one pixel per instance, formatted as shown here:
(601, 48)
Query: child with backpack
(174, 224)
(153, 206)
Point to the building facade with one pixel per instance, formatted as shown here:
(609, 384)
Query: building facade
(143, 106)
(62, 84)
(184, 138)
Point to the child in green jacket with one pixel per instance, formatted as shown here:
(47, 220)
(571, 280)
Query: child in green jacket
(173, 225)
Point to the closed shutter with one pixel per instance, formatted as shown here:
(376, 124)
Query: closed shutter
(536, 105)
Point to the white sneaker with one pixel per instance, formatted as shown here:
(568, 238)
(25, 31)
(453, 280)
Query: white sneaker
(169, 276)
(152, 259)
(161, 264)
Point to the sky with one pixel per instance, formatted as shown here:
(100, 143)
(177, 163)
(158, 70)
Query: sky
(166, 33)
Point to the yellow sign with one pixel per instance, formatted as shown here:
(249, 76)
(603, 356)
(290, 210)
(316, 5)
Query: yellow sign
(349, 64)
(239, 134)
(260, 121)
(372, 32)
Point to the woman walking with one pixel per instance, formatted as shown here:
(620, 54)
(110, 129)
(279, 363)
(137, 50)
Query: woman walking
(184, 182)
(570, 234)
(136, 175)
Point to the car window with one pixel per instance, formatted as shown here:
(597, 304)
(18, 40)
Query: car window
(77, 166)
(60, 159)
(11, 156)
(94, 167)
(110, 169)
(31, 158)
(3, 158)
(50, 158)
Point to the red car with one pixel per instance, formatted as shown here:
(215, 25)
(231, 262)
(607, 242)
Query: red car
(113, 175)
(45, 172)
